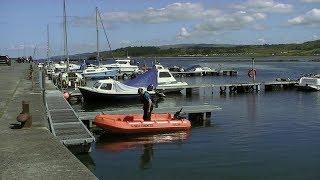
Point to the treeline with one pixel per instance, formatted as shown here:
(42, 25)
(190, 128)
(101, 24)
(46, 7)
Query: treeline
(304, 49)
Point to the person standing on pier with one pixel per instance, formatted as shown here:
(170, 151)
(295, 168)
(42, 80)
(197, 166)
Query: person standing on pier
(147, 104)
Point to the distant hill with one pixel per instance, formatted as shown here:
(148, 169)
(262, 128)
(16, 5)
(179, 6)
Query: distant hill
(195, 45)
(309, 48)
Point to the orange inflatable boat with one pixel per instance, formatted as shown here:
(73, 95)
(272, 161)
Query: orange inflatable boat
(132, 124)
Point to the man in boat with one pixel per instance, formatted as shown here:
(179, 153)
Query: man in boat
(147, 104)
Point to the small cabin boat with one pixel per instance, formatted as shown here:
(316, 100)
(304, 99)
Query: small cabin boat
(160, 78)
(112, 90)
(124, 66)
(134, 124)
(99, 73)
(197, 69)
(310, 83)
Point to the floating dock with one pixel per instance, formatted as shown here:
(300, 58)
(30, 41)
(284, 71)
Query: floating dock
(65, 124)
(239, 87)
(205, 73)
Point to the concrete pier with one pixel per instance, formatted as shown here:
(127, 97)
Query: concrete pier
(31, 153)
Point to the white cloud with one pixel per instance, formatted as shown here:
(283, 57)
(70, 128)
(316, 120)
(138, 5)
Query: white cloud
(170, 13)
(259, 27)
(234, 21)
(311, 18)
(262, 41)
(20, 46)
(311, 1)
(315, 37)
(267, 6)
(183, 34)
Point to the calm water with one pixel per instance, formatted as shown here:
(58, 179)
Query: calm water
(272, 135)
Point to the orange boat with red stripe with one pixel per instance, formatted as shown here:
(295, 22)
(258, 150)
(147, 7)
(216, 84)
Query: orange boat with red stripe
(132, 124)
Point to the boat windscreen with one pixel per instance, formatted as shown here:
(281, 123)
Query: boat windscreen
(106, 86)
(96, 85)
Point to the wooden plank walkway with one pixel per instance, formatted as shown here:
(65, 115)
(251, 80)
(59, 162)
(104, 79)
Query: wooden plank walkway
(64, 122)
(187, 109)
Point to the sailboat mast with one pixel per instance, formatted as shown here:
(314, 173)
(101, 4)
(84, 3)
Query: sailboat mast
(66, 53)
(97, 29)
(48, 44)
(105, 33)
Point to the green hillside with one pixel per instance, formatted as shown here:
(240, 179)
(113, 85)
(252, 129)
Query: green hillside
(309, 48)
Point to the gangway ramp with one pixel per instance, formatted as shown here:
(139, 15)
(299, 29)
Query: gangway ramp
(65, 123)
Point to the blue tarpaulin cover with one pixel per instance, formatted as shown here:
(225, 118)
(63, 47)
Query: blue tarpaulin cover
(144, 80)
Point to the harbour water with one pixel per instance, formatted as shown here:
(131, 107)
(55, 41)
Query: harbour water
(264, 135)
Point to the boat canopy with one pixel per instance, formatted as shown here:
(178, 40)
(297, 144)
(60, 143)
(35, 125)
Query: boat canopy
(116, 86)
(145, 79)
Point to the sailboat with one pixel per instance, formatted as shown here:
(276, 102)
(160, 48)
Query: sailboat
(68, 78)
(99, 72)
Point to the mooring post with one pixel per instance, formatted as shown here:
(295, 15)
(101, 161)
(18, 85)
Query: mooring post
(24, 117)
(26, 110)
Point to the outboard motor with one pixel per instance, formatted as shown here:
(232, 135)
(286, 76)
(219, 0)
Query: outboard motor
(177, 115)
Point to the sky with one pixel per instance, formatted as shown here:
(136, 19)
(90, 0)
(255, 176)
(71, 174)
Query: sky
(23, 23)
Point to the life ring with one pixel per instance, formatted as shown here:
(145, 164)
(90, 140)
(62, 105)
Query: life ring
(252, 73)
(223, 88)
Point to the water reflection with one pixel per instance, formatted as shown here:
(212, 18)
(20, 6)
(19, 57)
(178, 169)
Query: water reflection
(116, 144)
(252, 107)
(146, 157)
(112, 143)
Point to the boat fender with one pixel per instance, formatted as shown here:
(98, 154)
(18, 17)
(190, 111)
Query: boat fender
(252, 73)
(66, 95)
(223, 88)
(64, 83)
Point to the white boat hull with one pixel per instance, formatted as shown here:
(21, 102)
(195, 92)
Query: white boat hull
(309, 83)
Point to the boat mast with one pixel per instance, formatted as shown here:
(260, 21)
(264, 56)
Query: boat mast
(105, 33)
(97, 29)
(48, 44)
(66, 53)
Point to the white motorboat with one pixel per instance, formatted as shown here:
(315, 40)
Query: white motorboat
(199, 69)
(124, 66)
(99, 73)
(166, 82)
(62, 66)
(112, 90)
(160, 78)
(311, 83)
(71, 79)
